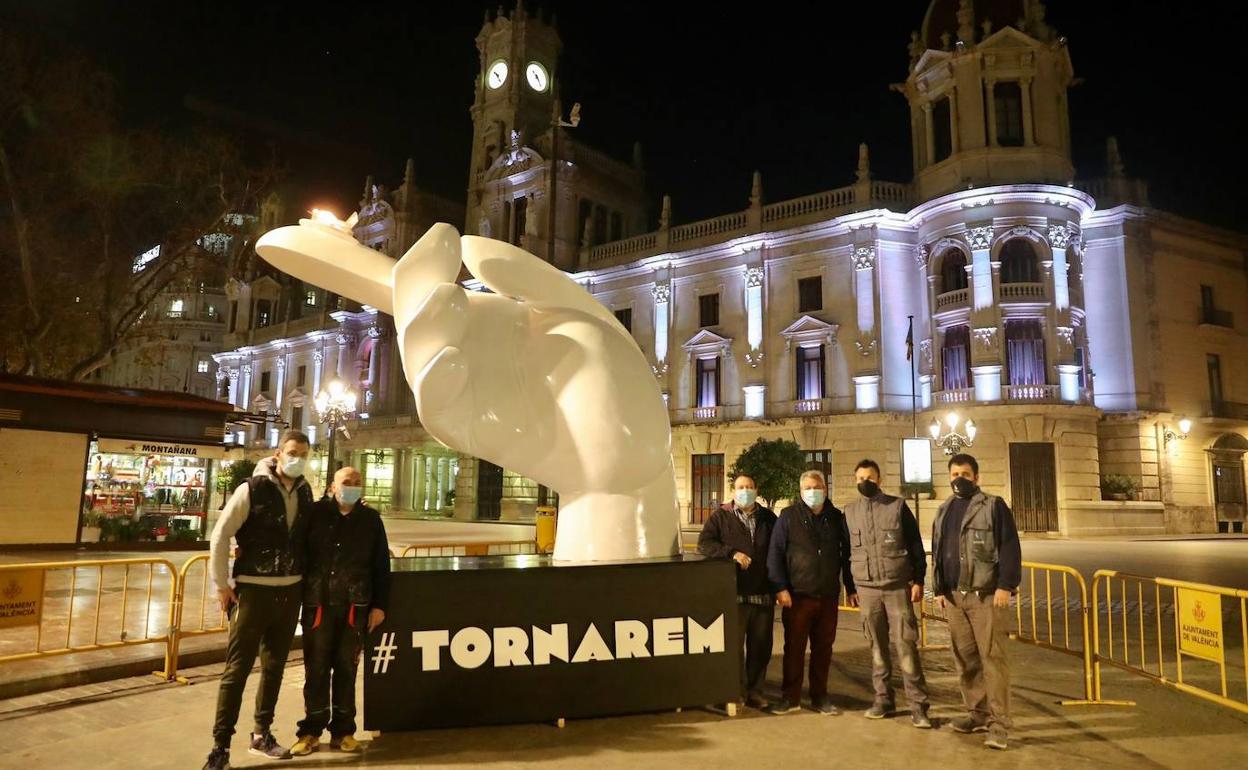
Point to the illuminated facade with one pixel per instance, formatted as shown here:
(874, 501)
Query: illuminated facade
(1073, 322)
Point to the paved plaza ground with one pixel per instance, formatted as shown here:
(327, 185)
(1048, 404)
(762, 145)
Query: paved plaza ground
(136, 723)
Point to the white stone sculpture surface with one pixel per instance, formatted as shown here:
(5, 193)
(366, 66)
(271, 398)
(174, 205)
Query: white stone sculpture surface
(537, 377)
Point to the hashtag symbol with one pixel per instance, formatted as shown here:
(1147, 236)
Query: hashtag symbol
(385, 653)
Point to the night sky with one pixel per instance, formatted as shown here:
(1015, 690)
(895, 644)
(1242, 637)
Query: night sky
(786, 88)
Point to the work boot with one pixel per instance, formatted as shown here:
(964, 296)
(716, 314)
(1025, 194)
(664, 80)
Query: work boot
(347, 744)
(919, 718)
(305, 746)
(968, 725)
(997, 737)
(218, 759)
(755, 701)
(878, 710)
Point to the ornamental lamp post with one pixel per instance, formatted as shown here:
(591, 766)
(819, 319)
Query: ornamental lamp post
(334, 406)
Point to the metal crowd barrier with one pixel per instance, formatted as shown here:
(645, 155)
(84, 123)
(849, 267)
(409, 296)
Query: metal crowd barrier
(1035, 610)
(1170, 631)
(500, 548)
(138, 622)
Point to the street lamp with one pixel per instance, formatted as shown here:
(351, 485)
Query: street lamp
(953, 442)
(334, 406)
(1185, 426)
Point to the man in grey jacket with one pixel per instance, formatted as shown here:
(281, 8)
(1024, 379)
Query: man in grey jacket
(888, 564)
(266, 516)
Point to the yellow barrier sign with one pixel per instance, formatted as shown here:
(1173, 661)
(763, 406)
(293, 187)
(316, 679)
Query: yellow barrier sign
(1200, 624)
(21, 598)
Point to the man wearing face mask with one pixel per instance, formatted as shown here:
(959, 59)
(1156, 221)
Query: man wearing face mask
(741, 530)
(344, 598)
(977, 565)
(808, 558)
(888, 562)
(267, 517)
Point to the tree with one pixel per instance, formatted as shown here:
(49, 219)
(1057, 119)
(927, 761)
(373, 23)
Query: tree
(82, 196)
(775, 465)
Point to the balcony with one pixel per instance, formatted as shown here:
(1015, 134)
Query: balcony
(952, 300)
(1032, 393)
(707, 414)
(1213, 317)
(810, 406)
(1021, 292)
(956, 396)
(1229, 410)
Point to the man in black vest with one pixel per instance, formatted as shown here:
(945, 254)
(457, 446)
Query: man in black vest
(809, 555)
(345, 590)
(888, 562)
(266, 516)
(741, 530)
(977, 564)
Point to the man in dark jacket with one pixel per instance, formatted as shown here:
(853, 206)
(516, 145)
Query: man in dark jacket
(344, 598)
(888, 562)
(978, 564)
(808, 558)
(266, 516)
(741, 530)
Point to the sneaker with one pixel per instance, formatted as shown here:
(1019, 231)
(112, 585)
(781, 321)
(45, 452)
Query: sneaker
(967, 725)
(996, 737)
(878, 710)
(305, 745)
(919, 718)
(826, 708)
(347, 744)
(218, 759)
(265, 745)
(756, 702)
(783, 706)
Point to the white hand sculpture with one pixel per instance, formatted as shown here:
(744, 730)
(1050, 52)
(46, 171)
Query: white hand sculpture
(538, 377)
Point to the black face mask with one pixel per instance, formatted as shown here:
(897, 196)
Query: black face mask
(964, 487)
(868, 488)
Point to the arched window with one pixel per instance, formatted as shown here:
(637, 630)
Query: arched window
(1018, 262)
(952, 271)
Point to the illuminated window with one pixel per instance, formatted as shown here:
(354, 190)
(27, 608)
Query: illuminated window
(203, 367)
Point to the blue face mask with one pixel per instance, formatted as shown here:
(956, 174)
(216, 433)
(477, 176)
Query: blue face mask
(350, 495)
(813, 498)
(745, 497)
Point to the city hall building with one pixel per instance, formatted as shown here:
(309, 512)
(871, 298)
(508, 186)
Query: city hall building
(1088, 335)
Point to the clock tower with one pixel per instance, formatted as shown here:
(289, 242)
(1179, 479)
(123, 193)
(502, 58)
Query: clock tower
(515, 92)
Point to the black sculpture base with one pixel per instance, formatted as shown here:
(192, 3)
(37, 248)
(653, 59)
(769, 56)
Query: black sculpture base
(506, 639)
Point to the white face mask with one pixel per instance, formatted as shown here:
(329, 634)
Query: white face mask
(293, 466)
(350, 495)
(745, 497)
(813, 497)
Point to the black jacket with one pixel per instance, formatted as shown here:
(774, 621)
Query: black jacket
(724, 534)
(348, 558)
(810, 554)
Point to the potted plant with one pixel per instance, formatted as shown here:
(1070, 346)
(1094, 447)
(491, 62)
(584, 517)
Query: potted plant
(1117, 487)
(91, 529)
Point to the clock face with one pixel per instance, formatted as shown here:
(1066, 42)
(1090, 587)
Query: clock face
(537, 76)
(497, 74)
